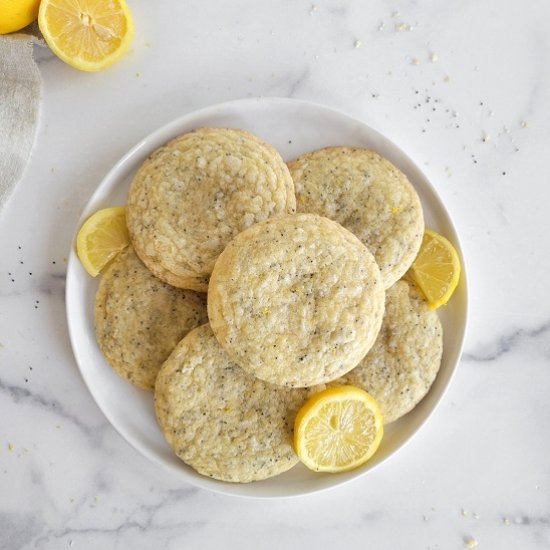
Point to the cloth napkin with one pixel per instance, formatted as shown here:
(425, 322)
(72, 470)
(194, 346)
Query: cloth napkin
(20, 86)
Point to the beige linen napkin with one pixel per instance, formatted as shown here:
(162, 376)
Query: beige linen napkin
(20, 85)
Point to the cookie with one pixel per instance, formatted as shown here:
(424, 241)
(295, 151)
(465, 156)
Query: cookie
(197, 283)
(296, 300)
(367, 195)
(140, 319)
(404, 361)
(192, 196)
(220, 420)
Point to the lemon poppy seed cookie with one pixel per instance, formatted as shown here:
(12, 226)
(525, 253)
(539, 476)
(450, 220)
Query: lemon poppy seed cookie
(196, 283)
(192, 196)
(367, 195)
(140, 319)
(221, 420)
(404, 361)
(296, 300)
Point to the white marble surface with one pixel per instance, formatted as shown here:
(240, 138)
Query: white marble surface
(463, 89)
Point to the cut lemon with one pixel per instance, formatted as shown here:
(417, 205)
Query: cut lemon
(87, 34)
(101, 238)
(436, 269)
(16, 14)
(338, 429)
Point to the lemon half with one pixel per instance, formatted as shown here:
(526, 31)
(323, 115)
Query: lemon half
(89, 34)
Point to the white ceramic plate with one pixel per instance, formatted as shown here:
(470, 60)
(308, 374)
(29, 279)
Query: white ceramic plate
(293, 127)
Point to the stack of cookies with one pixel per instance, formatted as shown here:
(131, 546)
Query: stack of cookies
(250, 284)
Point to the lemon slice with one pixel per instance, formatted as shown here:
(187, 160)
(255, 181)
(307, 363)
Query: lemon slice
(87, 34)
(101, 238)
(338, 429)
(436, 269)
(16, 14)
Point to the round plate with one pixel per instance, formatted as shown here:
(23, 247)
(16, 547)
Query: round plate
(293, 127)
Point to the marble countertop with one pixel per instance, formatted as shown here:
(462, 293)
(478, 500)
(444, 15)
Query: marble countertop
(463, 91)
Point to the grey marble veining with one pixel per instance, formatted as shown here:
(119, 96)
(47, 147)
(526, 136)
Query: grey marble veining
(464, 92)
(537, 337)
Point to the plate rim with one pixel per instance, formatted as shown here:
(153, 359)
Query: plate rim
(146, 143)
